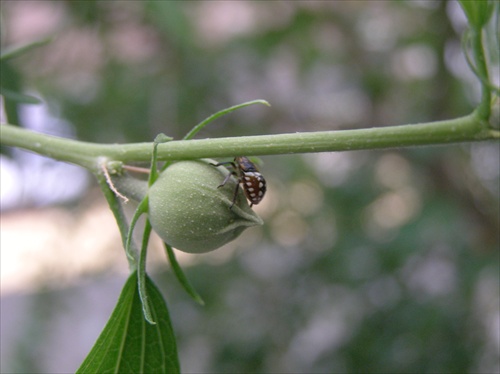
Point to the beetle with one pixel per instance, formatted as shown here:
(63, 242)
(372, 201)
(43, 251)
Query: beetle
(247, 174)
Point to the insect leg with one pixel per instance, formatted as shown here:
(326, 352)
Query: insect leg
(233, 165)
(235, 195)
(226, 179)
(229, 175)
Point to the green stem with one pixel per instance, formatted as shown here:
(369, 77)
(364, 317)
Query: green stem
(464, 129)
(481, 68)
(72, 151)
(121, 220)
(141, 275)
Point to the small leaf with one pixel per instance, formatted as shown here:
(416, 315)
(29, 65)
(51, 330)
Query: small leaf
(14, 51)
(478, 12)
(141, 209)
(153, 173)
(162, 138)
(19, 97)
(220, 113)
(142, 276)
(128, 344)
(181, 277)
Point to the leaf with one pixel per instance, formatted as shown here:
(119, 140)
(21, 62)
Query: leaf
(128, 344)
(19, 97)
(478, 12)
(220, 113)
(141, 209)
(153, 173)
(181, 277)
(142, 276)
(17, 50)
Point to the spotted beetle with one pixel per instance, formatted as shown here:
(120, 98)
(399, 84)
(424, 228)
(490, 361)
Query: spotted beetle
(254, 184)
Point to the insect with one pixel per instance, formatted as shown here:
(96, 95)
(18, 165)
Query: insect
(254, 184)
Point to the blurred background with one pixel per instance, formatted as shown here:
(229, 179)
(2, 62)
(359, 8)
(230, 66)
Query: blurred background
(369, 261)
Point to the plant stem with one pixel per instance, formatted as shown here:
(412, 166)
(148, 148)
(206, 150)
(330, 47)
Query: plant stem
(483, 108)
(464, 129)
(121, 220)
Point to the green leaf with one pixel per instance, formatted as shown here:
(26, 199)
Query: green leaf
(128, 344)
(153, 174)
(142, 276)
(141, 209)
(220, 113)
(19, 97)
(181, 277)
(14, 51)
(478, 12)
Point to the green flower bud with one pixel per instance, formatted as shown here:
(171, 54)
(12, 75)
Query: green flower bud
(189, 212)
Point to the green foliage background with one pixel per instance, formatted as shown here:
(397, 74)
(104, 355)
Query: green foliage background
(380, 261)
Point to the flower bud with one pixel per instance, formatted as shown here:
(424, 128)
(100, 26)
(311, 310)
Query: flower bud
(189, 212)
